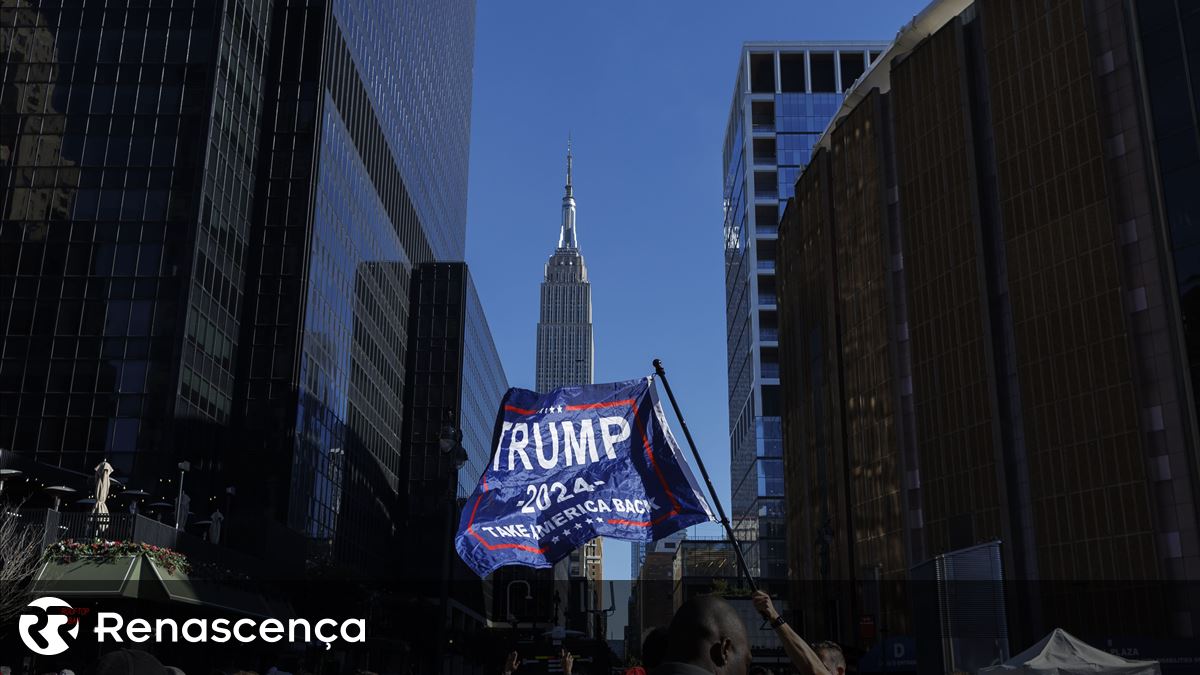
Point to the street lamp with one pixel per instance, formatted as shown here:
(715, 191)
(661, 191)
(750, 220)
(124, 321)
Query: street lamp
(180, 516)
(508, 598)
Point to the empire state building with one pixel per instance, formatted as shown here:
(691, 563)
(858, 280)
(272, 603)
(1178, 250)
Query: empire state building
(564, 333)
(565, 358)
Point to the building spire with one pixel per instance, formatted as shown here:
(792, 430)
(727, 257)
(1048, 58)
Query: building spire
(568, 164)
(566, 236)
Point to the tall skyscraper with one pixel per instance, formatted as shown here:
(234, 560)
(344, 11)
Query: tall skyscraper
(455, 381)
(637, 555)
(564, 334)
(565, 357)
(210, 216)
(784, 96)
(987, 273)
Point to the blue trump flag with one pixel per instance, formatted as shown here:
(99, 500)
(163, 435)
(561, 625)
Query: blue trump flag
(574, 464)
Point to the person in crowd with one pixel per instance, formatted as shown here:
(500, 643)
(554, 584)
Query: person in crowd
(513, 661)
(654, 650)
(654, 647)
(832, 656)
(804, 659)
(128, 662)
(706, 637)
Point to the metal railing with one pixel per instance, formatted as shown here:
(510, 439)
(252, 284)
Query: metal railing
(109, 526)
(281, 553)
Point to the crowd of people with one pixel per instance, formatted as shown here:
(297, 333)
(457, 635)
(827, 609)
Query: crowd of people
(707, 637)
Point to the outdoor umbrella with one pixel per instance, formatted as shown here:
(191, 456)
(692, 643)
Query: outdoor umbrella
(159, 508)
(103, 475)
(214, 526)
(133, 496)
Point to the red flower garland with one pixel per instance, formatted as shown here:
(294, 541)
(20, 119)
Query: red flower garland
(102, 551)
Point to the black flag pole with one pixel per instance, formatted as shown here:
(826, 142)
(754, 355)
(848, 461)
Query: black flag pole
(737, 549)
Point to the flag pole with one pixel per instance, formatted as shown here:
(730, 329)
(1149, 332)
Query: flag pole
(737, 549)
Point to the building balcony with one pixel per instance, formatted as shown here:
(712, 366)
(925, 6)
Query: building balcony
(58, 526)
(130, 556)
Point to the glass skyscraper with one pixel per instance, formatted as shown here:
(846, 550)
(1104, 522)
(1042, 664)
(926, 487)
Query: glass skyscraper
(784, 96)
(455, 381)
(210, 216)
(455, 378)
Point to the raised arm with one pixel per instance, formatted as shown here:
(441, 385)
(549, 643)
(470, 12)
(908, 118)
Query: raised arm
(804, 659)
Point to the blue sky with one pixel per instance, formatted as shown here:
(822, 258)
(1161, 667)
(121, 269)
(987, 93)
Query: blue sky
(644, 88)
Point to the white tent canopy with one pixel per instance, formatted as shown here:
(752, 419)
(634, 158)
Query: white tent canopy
(1061, 653)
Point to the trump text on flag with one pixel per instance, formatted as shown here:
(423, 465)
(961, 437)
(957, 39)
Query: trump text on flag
(572, 464)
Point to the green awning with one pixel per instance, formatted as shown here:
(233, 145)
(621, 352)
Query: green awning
(87, 578)
(140, 578)
(219, 595)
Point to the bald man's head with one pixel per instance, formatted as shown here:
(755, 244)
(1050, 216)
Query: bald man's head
(831, 655)
(707, 632)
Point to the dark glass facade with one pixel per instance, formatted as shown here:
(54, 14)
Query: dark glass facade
(1167, 47)
(415, 61)
(455, 380)
(211, 214)
(978, 237)
(129, 158)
